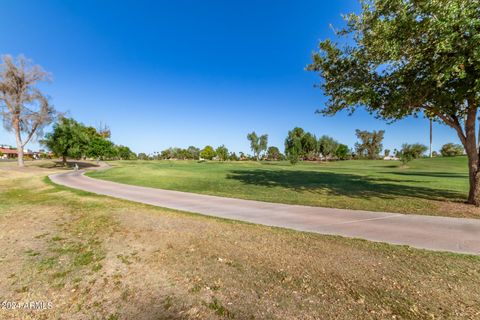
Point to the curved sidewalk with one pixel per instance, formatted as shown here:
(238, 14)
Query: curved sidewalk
(427, 232)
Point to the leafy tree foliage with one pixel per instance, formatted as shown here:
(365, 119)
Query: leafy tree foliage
(309, 146)
(418, 150)
(142, 156)
(193, 153)
(233, 157)
(208, 153)
(258, 144)
(342, 152)
(411, 151)
(451, 150)
(68, 139)
(293, 145)
(327, 146)
(370, 143)
(273, 153)
(222, 153)
(100, 148)
(125, 153)
(301, 145)
(403, 58)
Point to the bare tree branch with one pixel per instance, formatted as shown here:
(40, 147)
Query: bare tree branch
(23, 108)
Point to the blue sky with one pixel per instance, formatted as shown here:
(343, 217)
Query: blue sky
(180, 73)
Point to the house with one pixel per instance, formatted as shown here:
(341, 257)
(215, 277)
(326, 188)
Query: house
(8, 152)
(390, 158)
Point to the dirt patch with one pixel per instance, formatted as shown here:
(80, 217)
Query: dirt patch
(97, 257)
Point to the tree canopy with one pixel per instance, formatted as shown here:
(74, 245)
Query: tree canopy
(68, 139)
(370, 143)
(398, 58)
(222, 153)
(258, 144)
(208, 153)
(273, 153)
(411, 151)
(451, 150)
(327, 146)
(293, 144)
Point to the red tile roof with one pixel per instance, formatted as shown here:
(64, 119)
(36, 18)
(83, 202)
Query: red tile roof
(8, 151)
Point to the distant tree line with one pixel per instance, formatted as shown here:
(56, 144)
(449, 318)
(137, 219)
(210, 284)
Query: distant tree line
(72, 139)
(302, 145)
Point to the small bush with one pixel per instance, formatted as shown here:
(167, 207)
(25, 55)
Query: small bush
(451, 150)
(411, 151)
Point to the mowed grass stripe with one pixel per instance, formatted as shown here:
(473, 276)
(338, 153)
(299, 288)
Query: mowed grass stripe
(435, 186)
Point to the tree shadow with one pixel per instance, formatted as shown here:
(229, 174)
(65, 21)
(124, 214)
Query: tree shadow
(81, 164)
(342, 184)
(432, 174)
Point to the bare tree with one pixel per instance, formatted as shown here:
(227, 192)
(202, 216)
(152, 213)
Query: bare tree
(24, 108)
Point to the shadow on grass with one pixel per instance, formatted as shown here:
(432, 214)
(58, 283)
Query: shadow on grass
(342, 184)
(81, 164)
(432, 174)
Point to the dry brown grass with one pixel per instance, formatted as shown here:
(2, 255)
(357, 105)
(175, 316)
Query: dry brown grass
(97, 257)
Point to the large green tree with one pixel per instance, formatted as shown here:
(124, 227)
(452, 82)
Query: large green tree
(68, 139)
(402, 58)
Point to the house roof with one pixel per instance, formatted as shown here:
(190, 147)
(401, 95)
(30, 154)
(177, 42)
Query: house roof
(8, 151)
(14, 151)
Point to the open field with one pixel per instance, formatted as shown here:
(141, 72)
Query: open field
(98, 257)
(436, 186)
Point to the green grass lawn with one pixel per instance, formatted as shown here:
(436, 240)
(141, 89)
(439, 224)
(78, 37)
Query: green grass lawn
(427, 186)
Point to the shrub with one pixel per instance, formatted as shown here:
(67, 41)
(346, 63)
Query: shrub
(451, 150)
(208, 153)
(273, 153)
(411, 151)
(342, 152)
(222, 153)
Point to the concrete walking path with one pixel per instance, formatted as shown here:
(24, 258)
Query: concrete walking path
(459, 235)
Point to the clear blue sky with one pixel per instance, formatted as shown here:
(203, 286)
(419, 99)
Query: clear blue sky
(180, 73)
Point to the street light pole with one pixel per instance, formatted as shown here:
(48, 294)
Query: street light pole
(431, 136)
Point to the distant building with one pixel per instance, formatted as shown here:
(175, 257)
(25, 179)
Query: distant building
(390, 158)
(8, 152)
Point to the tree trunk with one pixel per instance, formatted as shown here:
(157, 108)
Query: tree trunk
(20, 155)
(474, 191)
(18, 138)
(64, 161)
(470, 144)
